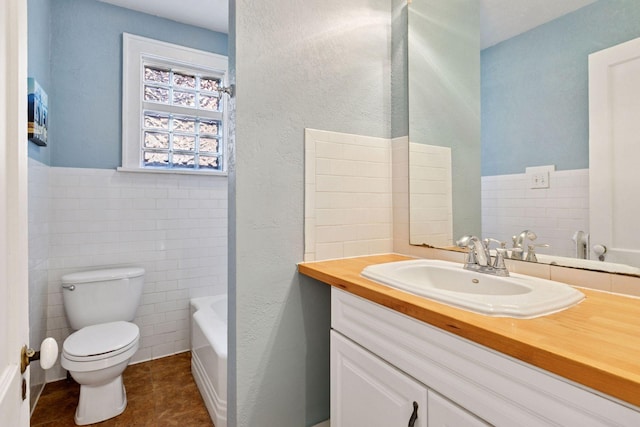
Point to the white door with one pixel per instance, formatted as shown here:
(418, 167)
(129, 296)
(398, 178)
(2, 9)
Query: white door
(368, 392)
(614, 152)
(14, 328)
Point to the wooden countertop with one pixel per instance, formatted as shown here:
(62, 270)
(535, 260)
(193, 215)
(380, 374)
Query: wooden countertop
(595, 343)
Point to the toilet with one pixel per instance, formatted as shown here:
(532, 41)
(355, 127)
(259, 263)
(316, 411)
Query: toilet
(100, 306)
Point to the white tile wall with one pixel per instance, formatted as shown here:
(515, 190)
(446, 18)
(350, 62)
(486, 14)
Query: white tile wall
(38, 265)
(554, 214)
(400, 192)
(400, 180)
(431, 195)
(348, 206)
(175, 226)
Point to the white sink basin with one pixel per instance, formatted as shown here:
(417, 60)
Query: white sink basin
(515, 296)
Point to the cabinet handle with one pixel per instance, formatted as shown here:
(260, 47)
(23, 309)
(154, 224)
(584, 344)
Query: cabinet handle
(414, 415)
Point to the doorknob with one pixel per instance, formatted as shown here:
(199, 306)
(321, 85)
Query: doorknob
(600, 250)
(47, 355)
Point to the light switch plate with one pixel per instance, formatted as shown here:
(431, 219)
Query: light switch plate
(539, 180)
(538, 176)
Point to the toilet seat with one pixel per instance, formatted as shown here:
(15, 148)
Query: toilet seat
(102, 341)
(96, 356)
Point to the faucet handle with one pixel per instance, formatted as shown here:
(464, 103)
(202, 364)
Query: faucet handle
(466, 242)
(499, 265)
(531, 254)
(471, 258)
(500, 251)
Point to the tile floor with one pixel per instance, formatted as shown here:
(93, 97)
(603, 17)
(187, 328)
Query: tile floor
(160, 393)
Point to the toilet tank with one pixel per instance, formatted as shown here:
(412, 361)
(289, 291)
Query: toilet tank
(101, 296)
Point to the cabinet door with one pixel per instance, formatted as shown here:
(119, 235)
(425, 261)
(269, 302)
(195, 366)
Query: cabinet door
(368, 392)
(444, 413)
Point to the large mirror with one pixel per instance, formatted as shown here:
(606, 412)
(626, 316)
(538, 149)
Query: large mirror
(511, 80)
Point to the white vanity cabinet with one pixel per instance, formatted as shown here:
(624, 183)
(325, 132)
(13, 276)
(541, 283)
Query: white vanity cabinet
(367, 391)
(382, 361)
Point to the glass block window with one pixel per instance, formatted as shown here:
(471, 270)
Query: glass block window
(174, 137)
(173, 88)
(182, 117)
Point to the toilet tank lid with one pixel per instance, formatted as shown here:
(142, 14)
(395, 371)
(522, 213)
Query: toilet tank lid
(103, 274)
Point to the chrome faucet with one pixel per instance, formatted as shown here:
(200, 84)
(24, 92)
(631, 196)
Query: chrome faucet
(478, 254)
(517, 251)
(479, 258)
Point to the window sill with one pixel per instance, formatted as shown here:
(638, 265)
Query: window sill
(174, 171)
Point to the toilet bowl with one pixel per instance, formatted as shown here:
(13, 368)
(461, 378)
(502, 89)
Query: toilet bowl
(96, 356)
(100, 306)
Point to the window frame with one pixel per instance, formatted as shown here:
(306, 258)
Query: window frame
(140, 51)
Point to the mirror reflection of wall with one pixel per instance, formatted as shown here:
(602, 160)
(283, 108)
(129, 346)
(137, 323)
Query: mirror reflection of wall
(534, 113)
(444, 107)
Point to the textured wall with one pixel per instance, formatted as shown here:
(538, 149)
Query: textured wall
(535, 89)
(86, 73)
(319, 64)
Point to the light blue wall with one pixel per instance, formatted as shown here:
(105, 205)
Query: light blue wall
(323, 64)
(535, 88)
(86, 76)
(38, 60)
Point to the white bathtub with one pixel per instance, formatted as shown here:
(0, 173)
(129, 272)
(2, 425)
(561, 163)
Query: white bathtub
(209, 354)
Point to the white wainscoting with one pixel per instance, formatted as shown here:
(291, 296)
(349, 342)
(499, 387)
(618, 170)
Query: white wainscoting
(175, 226)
